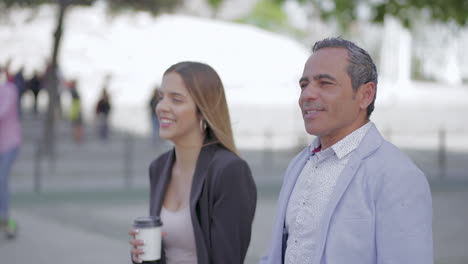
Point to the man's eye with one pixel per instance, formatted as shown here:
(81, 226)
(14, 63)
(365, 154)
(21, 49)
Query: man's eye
(303, 85)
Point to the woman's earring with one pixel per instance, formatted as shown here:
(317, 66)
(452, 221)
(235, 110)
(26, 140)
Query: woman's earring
(202, 125)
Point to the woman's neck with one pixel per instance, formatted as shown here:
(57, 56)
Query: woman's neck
(186, 158)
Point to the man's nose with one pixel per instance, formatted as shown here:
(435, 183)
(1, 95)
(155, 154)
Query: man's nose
(310, 92)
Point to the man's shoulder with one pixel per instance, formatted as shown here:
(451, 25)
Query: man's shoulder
(390, 161)
(388, 152)
(376, 148)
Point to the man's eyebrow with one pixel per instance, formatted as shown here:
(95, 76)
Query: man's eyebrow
(324, 76)
(304, 79)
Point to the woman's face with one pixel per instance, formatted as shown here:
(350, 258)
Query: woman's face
(177, 112)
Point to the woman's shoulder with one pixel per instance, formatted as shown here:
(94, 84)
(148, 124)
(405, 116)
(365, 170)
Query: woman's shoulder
(224, 158)
(160, 161)
(230, 172)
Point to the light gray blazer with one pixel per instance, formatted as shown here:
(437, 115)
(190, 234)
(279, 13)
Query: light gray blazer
(380, 210)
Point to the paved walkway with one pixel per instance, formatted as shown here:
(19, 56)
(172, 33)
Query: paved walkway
(91, 227)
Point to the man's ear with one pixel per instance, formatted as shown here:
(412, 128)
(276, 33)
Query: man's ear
(366, 94)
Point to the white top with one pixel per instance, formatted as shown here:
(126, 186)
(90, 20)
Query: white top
(179, 241)
(312, 193)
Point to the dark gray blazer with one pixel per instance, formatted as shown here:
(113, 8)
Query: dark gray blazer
(223, 198)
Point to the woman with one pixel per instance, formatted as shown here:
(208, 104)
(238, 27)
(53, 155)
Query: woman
(75, 114)
(10, 143)
(203, 192)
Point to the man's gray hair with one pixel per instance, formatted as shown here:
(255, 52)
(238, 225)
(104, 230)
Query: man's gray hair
(361, 68)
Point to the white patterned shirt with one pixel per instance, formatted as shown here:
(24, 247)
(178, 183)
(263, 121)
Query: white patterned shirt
(312, 192)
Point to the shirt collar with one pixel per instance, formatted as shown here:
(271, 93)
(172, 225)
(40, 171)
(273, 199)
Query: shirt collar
(347, 144)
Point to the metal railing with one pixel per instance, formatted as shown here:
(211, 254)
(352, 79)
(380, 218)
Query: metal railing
(436, 161)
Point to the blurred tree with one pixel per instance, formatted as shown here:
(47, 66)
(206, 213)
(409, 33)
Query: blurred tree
(155, 7)
(346, 11)
(269, 15)
(114, 6)
(215, 5)
(266, 14)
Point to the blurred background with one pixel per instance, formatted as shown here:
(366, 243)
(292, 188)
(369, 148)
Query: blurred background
(79, 181)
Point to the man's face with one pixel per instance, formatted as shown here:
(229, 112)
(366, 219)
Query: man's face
(330, 107)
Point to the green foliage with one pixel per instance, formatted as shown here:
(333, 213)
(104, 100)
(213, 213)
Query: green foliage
(267, 14)
(33, 3)
(153, 6)
(441, 10)
(215, 4)
(345, 11)
(114, 6)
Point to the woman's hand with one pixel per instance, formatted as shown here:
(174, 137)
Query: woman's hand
(136, 244)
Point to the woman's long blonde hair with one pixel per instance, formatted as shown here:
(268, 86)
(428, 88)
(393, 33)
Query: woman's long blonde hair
(207, 91)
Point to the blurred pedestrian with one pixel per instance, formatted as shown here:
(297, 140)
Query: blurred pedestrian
(46, 85)
(103, 108)
(10, 141)
(202, 190)
(154, 118)
(35, 86)
(21, 86)
(6, 70)
(75, 114)
(351, 196)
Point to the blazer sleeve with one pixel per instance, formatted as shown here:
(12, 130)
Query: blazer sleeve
(404, 218)
(235, 199)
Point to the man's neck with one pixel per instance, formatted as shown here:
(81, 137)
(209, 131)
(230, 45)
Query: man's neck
(330, 140)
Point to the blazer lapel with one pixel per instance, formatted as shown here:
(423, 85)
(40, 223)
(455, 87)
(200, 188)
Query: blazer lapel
(198, 181)
(206, 154)
(293, 171)
(371, 141)
(161, 187)
(199, 176)
(290, 182)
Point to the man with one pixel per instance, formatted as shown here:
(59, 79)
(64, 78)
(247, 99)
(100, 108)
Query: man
(351, 196)
(35, 87)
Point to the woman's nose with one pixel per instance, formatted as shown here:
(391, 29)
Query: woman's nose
(161, 105)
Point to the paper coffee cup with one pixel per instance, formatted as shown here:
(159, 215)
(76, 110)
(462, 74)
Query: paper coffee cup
(149, 231)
